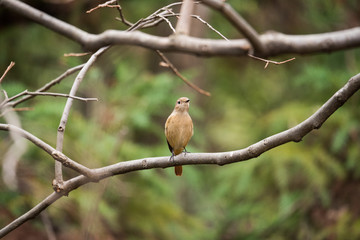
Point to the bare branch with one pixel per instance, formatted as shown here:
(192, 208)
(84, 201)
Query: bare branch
(106, 4)
(57, 183)
(274, 43)
(56, 155)
(153, 18)
(45, 87)
(168, 22)
(294, 134)
(199, 19)
(59, 95)
(177, 73)
(209, 26)
(122, 18)
(270, 61)
(76, 54)
(26, 92)
(239, 22)
(7, 70)
(184, 22)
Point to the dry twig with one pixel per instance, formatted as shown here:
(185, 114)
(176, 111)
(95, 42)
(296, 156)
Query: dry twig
(7, 70)
(106, 4)
(174, 69)
(9, 102)
(76, 54)
(270, 61)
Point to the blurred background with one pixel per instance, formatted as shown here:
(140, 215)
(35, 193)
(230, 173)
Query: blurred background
(305, 190)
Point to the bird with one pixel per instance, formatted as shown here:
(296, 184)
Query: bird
(179, 130)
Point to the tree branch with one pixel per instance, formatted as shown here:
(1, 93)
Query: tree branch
(294, 134)
(58, 156)
(7, 70)
(42, 89)
(177, 73)
(106, 4)
(58, 181)
(30, 214)
(27, 93)
(274, 43)
(239, 23)
(184, 22)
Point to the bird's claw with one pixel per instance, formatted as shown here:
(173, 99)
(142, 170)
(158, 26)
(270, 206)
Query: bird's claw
(172, 158)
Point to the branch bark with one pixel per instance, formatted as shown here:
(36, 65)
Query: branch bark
(58, 181)
(239, 23)
(184, 22)
(274, 43)
(294, 134)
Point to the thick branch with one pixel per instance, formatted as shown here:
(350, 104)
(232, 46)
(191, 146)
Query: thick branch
(294, 134)
(184, 22)
(274, 43)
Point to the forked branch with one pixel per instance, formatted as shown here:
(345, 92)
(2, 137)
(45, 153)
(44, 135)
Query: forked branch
(294, 134)
(273, 43)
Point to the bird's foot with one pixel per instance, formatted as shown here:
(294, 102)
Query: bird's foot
(172, 157)
(185, 152)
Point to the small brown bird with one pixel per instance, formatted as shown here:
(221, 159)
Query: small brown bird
(179, 129)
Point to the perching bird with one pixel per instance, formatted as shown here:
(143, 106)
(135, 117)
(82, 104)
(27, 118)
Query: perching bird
(179, 129)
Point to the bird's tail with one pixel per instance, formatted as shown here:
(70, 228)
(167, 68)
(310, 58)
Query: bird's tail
(178, 170)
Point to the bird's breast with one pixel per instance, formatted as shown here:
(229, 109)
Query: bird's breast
(178, 131)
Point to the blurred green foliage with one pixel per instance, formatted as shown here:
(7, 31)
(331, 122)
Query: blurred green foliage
(306, 190)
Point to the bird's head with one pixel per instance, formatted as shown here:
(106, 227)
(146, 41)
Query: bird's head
(182, 104)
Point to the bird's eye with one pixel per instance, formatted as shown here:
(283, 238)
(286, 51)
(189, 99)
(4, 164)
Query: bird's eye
(178, 102)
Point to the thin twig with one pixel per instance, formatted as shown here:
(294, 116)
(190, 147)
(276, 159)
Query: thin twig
(239, 22)
(26, 92)
(49, 84)
(122, 18)
(270, 61)
(153, 18)
(168, 22)
(7, 70)
(209, 26)
(76, 54)
(106, 4)
(59, 95)
(174, 69)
